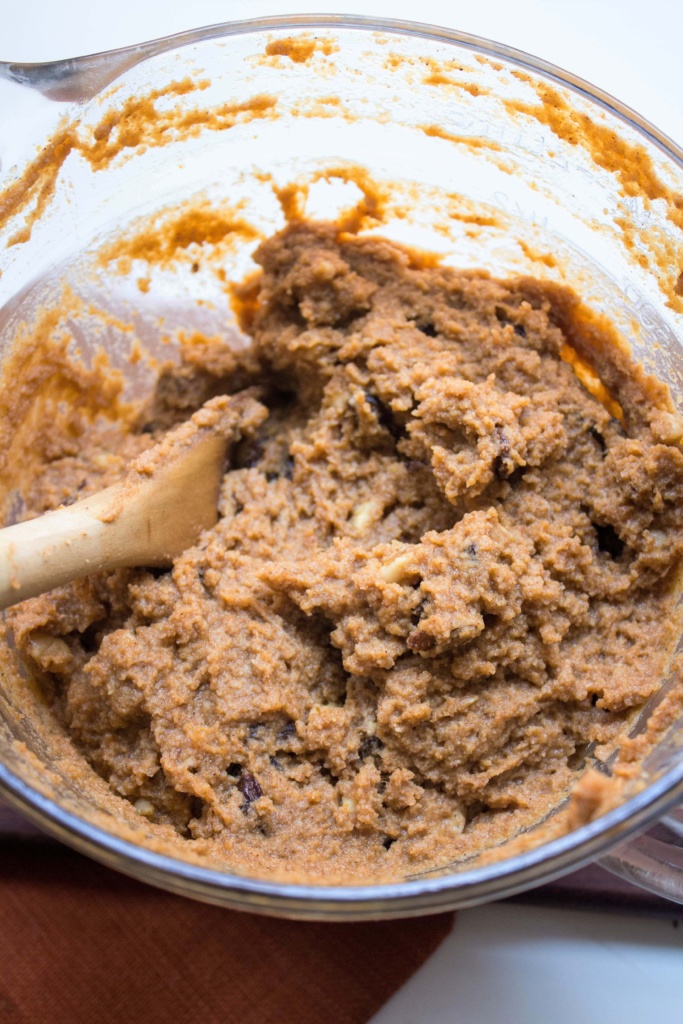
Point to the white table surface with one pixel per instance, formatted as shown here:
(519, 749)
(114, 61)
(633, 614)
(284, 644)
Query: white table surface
(502, 964)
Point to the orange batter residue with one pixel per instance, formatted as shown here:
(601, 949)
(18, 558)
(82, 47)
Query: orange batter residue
(300, 48)
(632, 166)
(178, 233)
(136, 123)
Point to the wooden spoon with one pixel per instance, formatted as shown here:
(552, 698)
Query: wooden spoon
(168, 496)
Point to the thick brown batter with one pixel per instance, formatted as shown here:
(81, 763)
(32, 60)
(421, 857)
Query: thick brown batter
(442, 577)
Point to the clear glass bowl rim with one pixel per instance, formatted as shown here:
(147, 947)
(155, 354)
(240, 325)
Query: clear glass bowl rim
(420, 895)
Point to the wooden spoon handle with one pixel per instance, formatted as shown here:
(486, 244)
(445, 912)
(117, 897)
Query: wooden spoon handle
(59, 546)
(144, 520)
(168, 496)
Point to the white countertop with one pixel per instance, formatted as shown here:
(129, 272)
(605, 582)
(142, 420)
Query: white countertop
(507, 964)
(502, 964)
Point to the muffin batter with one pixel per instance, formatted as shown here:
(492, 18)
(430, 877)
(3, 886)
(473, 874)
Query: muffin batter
(442, 577)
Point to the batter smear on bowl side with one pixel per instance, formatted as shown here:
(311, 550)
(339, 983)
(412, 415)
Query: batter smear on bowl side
(442, 579)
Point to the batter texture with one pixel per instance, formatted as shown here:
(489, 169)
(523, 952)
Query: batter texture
(442, 579)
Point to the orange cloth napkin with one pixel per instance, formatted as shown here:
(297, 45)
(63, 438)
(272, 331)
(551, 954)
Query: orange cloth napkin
(80, 944)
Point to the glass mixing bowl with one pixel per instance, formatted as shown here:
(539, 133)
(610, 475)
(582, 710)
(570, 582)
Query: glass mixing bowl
(481, 153)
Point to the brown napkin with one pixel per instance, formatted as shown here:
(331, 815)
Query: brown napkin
(80, 944)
